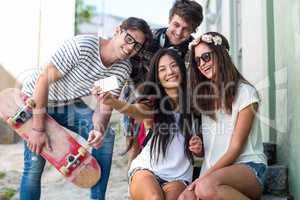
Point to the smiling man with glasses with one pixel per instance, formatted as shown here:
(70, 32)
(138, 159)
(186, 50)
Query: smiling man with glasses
(57, 89)
(129, 39)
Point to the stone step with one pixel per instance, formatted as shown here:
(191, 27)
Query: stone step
(277, 180)
(273, 197)
(270, 152)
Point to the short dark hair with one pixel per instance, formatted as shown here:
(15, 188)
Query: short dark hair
(189, 10)
(134, 23)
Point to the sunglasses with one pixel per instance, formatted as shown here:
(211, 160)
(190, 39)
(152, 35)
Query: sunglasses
(206, 57)
(129, 39)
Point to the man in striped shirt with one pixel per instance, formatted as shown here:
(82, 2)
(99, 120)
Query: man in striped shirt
(58, 87)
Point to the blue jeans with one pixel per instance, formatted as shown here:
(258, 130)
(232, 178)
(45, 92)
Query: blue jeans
(260, 171)
(78, 118)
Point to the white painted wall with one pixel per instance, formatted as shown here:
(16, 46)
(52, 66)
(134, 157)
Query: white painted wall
(252, 41)
(255, 53)
(32, 30)
(215, 16)
(225, 18)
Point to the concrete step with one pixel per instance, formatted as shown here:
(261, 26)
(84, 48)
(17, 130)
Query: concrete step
(273, 197)
(277, 180)
(270, 152)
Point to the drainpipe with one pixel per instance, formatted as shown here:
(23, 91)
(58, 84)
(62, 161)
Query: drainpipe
(271, 70)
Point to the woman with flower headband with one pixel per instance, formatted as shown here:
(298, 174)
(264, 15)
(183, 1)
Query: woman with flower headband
(234, 163)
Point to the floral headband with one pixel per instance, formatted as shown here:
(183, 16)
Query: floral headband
(208, 38)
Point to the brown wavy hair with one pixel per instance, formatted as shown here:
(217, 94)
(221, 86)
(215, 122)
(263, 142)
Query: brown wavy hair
(220, 92)
(190, 11)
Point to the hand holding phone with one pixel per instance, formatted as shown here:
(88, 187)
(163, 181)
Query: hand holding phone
(107, 84)
(102, 87)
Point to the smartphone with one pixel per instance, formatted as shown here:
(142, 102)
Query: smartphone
(107, 84)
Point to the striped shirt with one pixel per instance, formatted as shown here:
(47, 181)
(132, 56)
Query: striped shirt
(79, 63)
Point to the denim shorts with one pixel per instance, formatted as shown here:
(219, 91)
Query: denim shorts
(159, 180)
(260, 171)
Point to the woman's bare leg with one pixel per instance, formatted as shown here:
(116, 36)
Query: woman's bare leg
(187, 195)
(233, 182)
(173, 189)
(144, 186)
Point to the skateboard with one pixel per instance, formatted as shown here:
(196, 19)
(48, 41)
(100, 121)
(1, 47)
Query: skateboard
(69, 156)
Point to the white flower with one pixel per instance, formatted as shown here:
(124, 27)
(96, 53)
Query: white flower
(194, 43)
(208, 38)
(217, 40)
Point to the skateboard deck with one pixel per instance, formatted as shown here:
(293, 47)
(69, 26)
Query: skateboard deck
(68, 155)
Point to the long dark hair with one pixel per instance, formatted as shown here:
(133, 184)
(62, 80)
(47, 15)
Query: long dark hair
(162, 106)
(225, 84)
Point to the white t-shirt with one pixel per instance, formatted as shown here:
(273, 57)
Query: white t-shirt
(174, 166)
(217, 134)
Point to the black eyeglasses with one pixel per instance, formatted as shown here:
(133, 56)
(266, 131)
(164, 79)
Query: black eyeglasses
(206, 57)
(129, 39)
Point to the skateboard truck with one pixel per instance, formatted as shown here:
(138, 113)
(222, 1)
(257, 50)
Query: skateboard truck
(22, 114)
(72, 161)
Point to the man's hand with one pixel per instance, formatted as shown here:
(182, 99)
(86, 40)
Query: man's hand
(104, 97)
(96, 138)
(37, 140)
(195, 145)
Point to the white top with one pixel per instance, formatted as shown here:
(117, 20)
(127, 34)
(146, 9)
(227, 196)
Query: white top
(174, 166)
(79, 63)
(217, 134)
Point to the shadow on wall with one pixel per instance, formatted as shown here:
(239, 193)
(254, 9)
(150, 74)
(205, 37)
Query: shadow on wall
(7, 135)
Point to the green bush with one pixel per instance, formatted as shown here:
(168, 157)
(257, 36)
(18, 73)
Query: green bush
(7, 193)
(2, 175)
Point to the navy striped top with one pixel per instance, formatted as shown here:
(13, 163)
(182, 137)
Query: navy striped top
(79, 63)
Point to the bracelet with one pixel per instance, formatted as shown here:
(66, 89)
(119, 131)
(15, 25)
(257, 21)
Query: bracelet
(39, 129)
(38, 111)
